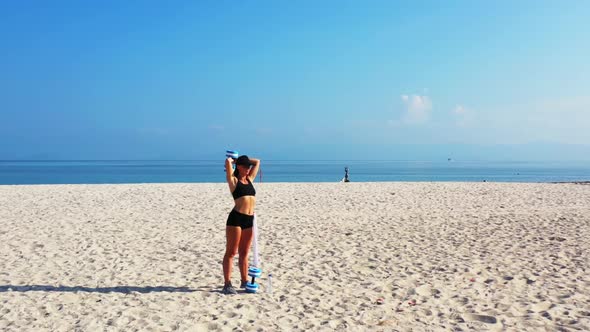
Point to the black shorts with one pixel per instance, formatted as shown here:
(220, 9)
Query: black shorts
(241, 220)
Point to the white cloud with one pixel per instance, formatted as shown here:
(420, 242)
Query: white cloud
(460, 110)
(417, 109)
(463, 116)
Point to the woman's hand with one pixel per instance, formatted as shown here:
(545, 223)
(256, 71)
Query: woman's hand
(228, 164)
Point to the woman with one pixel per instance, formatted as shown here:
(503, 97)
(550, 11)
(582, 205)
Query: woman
(238, 230)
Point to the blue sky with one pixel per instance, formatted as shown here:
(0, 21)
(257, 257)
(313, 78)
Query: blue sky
(294, 79)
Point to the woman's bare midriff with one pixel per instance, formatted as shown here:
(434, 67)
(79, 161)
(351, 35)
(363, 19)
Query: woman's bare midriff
(245, 205)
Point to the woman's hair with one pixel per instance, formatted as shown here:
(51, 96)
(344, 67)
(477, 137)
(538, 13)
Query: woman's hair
(236, 172)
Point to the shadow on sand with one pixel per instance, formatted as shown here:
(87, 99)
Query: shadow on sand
(116, 289)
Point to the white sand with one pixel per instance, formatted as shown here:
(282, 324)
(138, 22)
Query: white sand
(472, 256)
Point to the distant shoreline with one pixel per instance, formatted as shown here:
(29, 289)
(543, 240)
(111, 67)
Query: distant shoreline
(292, 182)
(87, 172)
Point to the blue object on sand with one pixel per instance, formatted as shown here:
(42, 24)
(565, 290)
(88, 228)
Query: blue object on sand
(252, 286)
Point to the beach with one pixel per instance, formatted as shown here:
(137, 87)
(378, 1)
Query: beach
(382, 256)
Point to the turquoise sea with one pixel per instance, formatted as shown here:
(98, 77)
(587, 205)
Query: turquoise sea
(166, 171)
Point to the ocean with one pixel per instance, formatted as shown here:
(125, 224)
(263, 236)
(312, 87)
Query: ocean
(165, 171)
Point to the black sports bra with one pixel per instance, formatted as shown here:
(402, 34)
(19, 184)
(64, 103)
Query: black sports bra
(244, 190)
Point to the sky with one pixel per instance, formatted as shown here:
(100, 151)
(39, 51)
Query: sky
(295, 79)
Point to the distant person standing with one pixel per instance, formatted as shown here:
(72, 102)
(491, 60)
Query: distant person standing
(345, 175)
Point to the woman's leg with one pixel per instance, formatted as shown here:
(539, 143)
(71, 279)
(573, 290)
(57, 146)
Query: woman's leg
(244, 249)
(232, 235)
